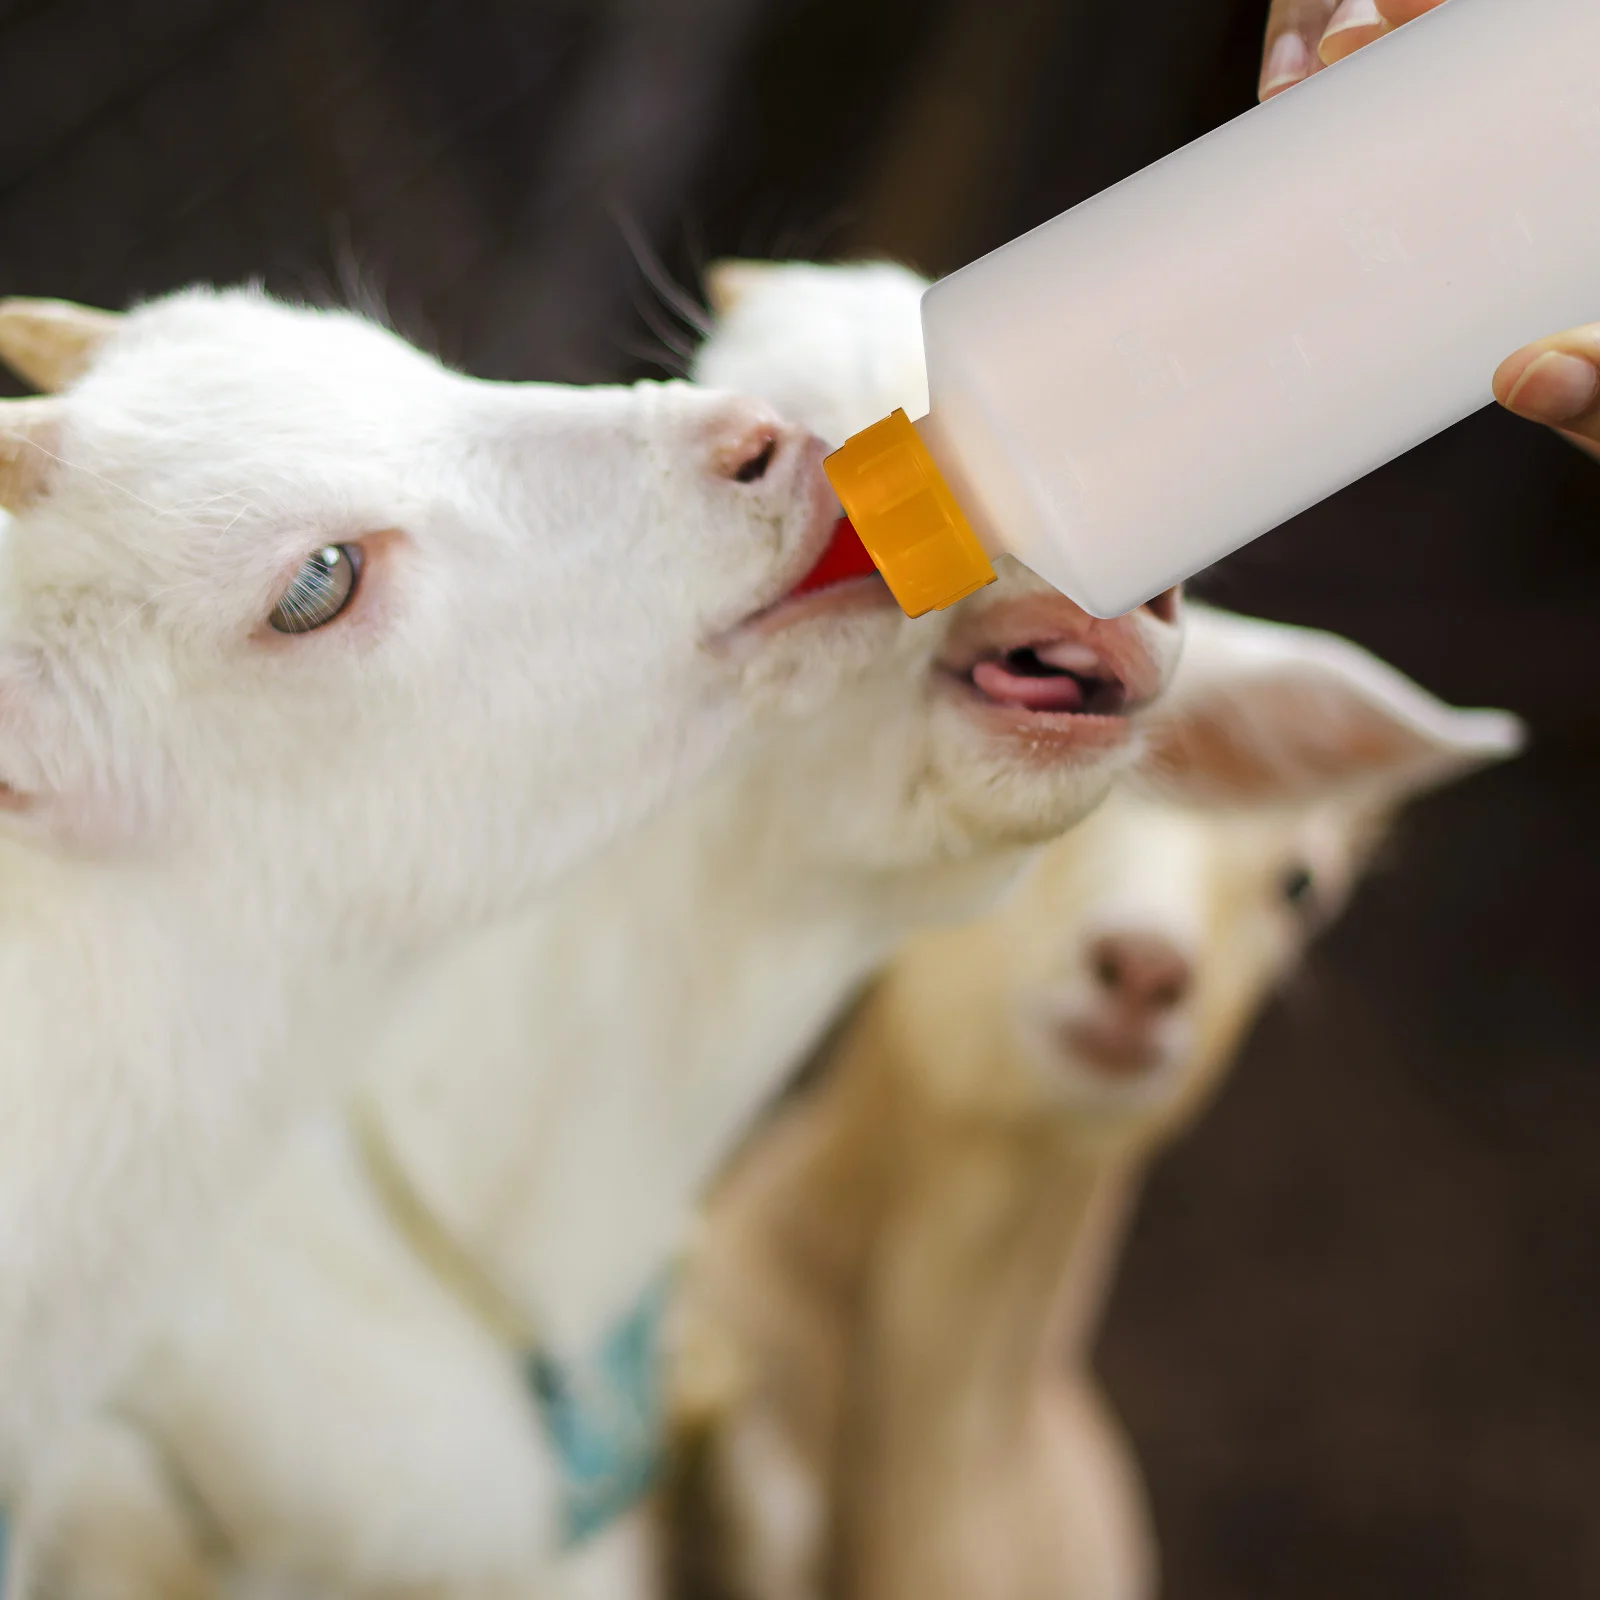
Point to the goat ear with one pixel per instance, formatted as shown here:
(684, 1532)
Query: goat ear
(52, 343)
(30, 433)
(728, 282)
(1261, 713)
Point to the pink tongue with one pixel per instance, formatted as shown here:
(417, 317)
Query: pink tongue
(1033, 694)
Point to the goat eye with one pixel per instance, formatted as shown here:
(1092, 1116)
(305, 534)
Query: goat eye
(320, 590)
(1298, 886)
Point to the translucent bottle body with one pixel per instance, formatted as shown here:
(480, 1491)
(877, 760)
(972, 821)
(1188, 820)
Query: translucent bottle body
(1133, 390)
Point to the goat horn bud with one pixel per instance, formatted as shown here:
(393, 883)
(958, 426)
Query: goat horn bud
(52, 343)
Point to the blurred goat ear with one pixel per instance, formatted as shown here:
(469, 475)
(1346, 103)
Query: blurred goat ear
(52, 343)
(1261, 713)
(30, 435)
(728, 282)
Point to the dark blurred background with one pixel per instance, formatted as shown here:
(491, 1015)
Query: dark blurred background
(1357, 1335)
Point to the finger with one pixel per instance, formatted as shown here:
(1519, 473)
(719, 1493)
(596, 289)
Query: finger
(1397, 11)
(1290, 54)
(1556, 382)
(1305, 35)
(1355, 23)
(1289, 61)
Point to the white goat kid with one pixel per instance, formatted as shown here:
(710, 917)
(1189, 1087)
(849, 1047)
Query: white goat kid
(311, 653)
(346, 1391)
(885, 1388)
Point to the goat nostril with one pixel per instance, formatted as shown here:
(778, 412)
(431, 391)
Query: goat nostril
(1169, 993)
(1107, 969)
(754, 468)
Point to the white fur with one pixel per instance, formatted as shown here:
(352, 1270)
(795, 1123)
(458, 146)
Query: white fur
(560, 1090)
(218, 843)
(890, 1319)
(832, 347)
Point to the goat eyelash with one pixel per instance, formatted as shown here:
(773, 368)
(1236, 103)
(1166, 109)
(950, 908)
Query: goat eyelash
(323, 587)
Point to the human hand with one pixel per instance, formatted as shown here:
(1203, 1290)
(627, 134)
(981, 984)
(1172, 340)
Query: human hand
(1557, 382)
(1304, 36)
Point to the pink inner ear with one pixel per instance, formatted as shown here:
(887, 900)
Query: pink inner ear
(14, 799)
(1282, 742)
(1212, 755)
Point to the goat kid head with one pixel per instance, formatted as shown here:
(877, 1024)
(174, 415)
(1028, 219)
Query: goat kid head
(995, 724)
(277, 588)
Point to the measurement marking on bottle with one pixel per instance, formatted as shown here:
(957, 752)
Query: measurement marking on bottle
(1155, 371)
(1290, 363)
(1374, 242)
(1511, 240)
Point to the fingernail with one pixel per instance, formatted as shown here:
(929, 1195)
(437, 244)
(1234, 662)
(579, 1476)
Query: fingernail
(1556, 388)
(1354, 24)
(1288, 62)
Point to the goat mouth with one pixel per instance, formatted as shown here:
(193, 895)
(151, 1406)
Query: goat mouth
(1050, 696)
(1060, 677)
(844, 559)
(1110, 1053)
(841, 581)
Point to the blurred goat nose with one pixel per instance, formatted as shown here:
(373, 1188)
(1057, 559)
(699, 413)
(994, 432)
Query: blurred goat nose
(1143, 971)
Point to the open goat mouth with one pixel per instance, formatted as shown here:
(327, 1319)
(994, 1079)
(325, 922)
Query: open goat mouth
(1063, 676)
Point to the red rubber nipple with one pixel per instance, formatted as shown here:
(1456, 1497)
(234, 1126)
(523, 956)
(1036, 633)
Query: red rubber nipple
(845, 558)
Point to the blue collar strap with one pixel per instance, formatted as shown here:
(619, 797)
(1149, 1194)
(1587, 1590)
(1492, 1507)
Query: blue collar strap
(604, 1416)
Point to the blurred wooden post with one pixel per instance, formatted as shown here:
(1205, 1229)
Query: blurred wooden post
(635, 133)
(942, 187)
(360, 138)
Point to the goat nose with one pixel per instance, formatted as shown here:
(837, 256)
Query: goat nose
(1144, 971)
(745, 439)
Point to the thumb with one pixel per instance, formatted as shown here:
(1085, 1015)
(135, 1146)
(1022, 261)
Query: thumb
(1556, 382)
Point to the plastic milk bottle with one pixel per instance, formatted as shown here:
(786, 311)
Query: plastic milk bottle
(1153, 379)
